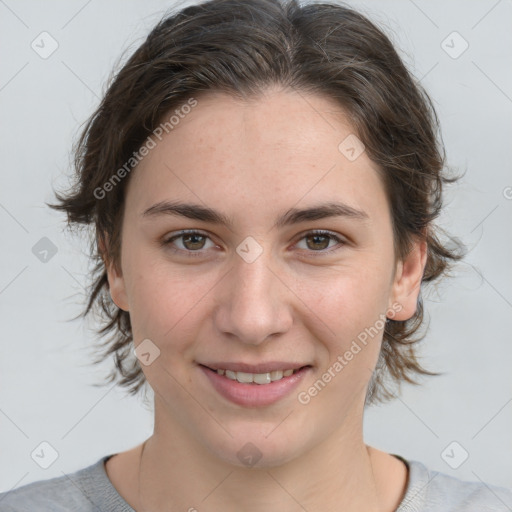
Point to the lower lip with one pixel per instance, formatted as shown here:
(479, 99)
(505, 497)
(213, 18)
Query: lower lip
(254, 395)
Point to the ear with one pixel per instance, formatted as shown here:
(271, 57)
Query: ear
(407, 281)
(115, 277)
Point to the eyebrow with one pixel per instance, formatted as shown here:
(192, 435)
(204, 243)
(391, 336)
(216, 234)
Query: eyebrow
(290, 217)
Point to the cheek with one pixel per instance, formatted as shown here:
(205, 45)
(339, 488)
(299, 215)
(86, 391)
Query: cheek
(351, 307)
(350, 298)
(164, 300)
(166, 307)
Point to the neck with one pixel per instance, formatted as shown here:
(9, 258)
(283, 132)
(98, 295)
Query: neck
(184, 475)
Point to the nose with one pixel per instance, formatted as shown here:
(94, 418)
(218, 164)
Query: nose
(253, 302)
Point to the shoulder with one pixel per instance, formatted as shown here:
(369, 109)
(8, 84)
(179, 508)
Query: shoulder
(433, 491)
(87, 489)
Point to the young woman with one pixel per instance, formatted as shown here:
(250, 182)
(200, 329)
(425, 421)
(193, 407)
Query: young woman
(262, 180)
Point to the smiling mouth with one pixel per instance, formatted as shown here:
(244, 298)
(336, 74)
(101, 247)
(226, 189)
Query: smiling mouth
(256, 378)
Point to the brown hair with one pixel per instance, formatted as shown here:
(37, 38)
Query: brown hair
(242, 47)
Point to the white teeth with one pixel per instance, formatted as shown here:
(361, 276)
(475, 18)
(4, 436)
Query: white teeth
(262, 378)
(276, 375)
(257, 378)
(246, 378)
(230, 375)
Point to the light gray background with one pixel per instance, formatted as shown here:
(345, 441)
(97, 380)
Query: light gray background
(46, 391)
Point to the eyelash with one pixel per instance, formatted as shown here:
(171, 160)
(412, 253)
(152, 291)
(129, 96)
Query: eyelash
(168, 242)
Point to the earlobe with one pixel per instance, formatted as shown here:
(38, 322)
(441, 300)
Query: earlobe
(115, 280)
(117, 288)
(407, 281)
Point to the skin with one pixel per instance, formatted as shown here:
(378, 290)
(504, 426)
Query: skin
(298, 301)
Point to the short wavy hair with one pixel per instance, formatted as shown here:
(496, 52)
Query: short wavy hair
(242, 47)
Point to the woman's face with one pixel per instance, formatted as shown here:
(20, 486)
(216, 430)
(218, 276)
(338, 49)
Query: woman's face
(263, 288)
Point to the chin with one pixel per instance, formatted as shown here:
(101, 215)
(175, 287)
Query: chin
(254, 450)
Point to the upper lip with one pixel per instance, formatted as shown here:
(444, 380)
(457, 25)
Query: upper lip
(255, 368)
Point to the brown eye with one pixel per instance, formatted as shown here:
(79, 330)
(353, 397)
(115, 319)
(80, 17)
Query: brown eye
(320, 241)
(188, 243)
(317, 242)
(193, 242)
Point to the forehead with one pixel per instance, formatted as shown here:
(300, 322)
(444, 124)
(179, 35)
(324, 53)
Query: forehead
(274, 150)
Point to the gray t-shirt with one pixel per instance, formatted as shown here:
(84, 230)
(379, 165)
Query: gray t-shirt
(90, 490)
